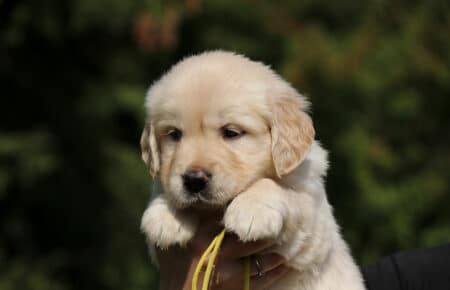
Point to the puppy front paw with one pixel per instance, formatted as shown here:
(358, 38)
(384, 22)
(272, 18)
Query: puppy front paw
(165, 226)
(253, 220)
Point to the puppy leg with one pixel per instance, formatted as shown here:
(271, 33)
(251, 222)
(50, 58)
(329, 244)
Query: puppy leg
(165, 226)
(257, 213)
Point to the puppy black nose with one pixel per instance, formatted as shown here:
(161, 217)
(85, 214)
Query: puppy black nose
(196, 180)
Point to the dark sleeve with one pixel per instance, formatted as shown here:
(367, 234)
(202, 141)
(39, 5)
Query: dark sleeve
(420, 269)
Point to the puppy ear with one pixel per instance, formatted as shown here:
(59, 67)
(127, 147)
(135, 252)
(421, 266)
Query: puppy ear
(292, 133)
(149, 149)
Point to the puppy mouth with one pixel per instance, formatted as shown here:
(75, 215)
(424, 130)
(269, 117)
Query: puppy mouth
(202, 200)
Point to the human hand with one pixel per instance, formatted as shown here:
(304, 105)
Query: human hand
(177, 264)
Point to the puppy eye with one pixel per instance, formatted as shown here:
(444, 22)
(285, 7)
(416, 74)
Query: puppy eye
(175, 134)
(232, 133)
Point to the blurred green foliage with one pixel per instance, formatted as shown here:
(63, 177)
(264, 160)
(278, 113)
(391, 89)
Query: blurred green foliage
(73, 77)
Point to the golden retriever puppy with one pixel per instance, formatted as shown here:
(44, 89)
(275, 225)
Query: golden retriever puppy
(227, 133)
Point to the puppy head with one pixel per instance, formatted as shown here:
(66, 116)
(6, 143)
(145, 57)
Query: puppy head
(217, 123)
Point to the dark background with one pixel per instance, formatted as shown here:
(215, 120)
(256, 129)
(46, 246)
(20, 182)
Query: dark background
(73, 75)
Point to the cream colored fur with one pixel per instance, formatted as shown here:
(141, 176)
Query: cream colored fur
(269, 181)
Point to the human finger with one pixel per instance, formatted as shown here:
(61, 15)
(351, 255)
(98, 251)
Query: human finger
(228, 272)
(233, 248)
(204, 236)
(268, 279)
(260, 264)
